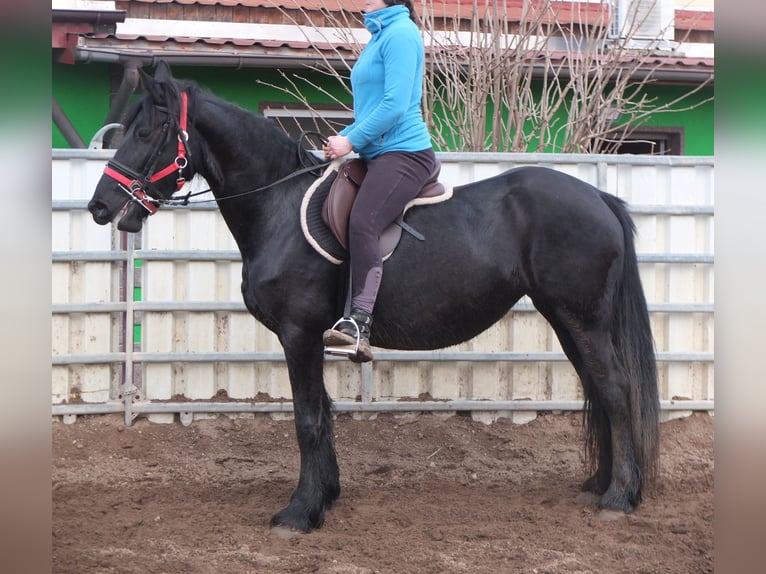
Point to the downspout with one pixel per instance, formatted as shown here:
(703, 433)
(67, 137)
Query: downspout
(120, 102)
(65, 127)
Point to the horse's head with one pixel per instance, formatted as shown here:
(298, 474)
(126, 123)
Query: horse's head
(152, 161)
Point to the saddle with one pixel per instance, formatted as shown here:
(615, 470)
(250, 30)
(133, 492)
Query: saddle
(327, 203)
(340, 199)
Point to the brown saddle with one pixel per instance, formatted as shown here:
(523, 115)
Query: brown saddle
(337, 206)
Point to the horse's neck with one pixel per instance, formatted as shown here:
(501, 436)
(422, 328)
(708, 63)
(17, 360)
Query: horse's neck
(250, 150)
(250, 154)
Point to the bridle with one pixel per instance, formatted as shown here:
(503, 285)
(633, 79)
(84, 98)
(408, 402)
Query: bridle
(135, 185)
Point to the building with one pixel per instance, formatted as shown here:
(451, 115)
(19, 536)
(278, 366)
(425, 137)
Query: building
(245, 50)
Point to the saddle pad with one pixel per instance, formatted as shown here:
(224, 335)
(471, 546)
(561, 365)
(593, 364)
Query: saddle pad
(314, 229)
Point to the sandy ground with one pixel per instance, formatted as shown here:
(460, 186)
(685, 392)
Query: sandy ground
(420, 493)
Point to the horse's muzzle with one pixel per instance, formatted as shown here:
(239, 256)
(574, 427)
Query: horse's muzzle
(100, 212)
(133, 219)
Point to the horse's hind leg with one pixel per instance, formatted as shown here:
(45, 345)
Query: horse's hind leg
(319, 483)
(597, 421)
(608, 422)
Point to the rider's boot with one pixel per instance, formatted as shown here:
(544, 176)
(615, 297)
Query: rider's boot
(344, 334)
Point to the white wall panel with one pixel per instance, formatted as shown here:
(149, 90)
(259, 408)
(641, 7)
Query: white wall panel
(645, 183)
(79, 281)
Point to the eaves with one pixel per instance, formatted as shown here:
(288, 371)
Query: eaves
(275, 54)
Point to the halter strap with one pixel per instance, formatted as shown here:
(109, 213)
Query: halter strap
(135, 185)
(131, 184)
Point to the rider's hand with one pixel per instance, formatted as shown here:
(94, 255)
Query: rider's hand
(337, 146)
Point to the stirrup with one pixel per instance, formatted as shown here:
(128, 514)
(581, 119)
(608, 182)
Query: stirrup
(346, 350)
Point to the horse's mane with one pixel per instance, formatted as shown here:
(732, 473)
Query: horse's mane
(165, 95)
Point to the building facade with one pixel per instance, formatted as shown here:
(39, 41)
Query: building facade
(252, 51)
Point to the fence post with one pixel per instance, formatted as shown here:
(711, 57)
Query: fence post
(128, 388)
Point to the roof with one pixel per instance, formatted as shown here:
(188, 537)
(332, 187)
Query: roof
(241, 40)
(72, 18)
(567, 11)
(439, 8)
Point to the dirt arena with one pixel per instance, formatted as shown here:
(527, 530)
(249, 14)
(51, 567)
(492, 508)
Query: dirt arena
(420, 494)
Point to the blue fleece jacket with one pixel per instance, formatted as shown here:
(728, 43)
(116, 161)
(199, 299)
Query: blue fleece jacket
(387, 83)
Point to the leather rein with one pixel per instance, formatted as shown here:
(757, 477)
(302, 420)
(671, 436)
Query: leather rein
(136, 185)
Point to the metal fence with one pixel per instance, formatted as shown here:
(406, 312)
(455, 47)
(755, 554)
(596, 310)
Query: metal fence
(154, 324)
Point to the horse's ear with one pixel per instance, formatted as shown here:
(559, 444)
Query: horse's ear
(145, 78)
(149, 84)
(163, 73)
(152, 85)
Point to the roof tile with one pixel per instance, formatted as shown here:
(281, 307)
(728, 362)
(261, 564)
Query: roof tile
(295, 45)
(568, 11)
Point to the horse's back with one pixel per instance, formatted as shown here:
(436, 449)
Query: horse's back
(565, 234)
(538, 198)
(543, 183)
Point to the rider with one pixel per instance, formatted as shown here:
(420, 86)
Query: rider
(389, 133)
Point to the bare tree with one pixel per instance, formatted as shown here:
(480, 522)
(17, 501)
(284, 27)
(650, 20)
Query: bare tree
(536, 82)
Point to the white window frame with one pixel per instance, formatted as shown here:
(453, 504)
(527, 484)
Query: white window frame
(328, 118)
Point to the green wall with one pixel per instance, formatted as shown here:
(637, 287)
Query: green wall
(690, 114)
(82, 91)
(246, 87)
(697, 123)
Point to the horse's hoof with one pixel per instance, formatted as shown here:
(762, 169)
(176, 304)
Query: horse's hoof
(293, 519)
(619, 503)
(291, 525)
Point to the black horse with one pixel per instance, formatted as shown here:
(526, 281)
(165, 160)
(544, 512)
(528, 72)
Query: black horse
(529, 231)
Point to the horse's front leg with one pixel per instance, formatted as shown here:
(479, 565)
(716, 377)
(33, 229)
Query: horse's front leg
(319, 482)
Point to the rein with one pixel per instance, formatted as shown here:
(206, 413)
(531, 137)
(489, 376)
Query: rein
(136, 185)
(185, 199)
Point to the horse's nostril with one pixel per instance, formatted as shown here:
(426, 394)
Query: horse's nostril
(99, 212)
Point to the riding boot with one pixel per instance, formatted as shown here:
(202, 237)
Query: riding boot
(344, 334)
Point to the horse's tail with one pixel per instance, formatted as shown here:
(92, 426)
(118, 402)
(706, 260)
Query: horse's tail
(633, 342)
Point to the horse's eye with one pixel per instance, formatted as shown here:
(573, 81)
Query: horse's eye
(143, 133)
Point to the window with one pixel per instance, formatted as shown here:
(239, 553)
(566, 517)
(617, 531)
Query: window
(642, 19)
(649, 141)
(297, 118)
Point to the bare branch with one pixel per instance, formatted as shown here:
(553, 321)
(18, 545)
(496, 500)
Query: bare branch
(543, 83)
